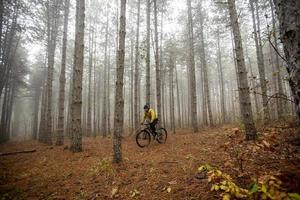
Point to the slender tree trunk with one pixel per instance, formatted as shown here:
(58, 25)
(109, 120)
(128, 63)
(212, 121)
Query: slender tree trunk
(104, 108)
(76, 104)
(205, 71)
(178, 99)
(62, 79)
(289, 23)
(148, 54)
(260, 62)
(221, 79)
(131, 88)
(163, 113)
(36, 113)
(279, 101)
(157, 67)
(252, 82)
(136, 75)
(171, 88)
(43, 115)
(119, 100)
(244, 96)
(108, 94)
(193, 96)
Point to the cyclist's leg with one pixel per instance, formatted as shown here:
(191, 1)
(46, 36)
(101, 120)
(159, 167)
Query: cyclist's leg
(153, 124)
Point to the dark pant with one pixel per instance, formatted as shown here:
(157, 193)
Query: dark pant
(153, 124)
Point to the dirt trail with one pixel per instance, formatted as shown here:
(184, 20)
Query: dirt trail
(166, 171)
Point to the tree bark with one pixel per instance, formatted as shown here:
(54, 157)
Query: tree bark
(148, 54)
(104, 108)
(260, 61)
(244, 96)
(178, 99)
(119, 101)
(62, 79)
(192, 76)
(76, 104)
(205, 71)
(136, 75)
(279, 101)
(289, 23)
(157, 67)
(221, 79)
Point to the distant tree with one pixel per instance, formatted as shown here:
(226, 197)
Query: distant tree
(157, 67)
(137, 71)
(148, 94)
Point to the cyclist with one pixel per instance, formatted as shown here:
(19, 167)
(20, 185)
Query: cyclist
(151, 116)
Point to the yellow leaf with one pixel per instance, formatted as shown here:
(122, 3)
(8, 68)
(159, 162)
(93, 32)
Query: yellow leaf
(223, 187)
(169, 190)
(201, 168)
(114, 192)
(226, 197)
(263, 188)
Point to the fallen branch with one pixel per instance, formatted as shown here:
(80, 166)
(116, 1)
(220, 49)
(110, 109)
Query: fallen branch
(17, 152)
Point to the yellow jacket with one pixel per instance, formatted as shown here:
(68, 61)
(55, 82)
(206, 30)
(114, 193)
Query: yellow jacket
(150, 115)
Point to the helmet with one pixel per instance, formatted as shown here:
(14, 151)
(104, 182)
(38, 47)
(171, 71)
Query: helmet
(146, 106)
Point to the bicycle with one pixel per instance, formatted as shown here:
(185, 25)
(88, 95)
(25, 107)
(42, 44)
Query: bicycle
(143, 138)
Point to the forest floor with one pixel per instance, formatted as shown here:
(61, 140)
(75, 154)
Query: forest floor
(160, 171)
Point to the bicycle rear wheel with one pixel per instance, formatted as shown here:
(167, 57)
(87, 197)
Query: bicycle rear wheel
(161, 135)
(143, 138)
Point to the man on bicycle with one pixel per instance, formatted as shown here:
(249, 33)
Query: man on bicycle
(151, 116)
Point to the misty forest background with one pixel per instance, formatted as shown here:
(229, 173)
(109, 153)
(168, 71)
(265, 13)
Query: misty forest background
(184, 58)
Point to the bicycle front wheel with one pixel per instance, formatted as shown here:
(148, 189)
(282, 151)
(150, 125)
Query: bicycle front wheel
(162, 136)
(143, 139)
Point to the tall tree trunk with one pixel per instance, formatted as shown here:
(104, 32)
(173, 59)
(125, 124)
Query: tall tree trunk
(260, 61)
(1, 28)
(148, 54)
(178, 99)
(52, 27)
(76, 104)
(221, 79)
(136, 75)
(108, 94)
(163, 113)
(42, 125)
(104, 108)
(193, 96)
(131, 87)
(244, 96)
(119, 101)
(157, 67)
(289, 23)
(279, 101)
(171, 94)
(252, 82)
(204, 68)
(62, 79)
(37, 94)
(89, 106)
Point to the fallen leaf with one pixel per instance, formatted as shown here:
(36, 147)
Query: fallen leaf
(114, 191)
(174, 182)
(169, 190)
(266, 144)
